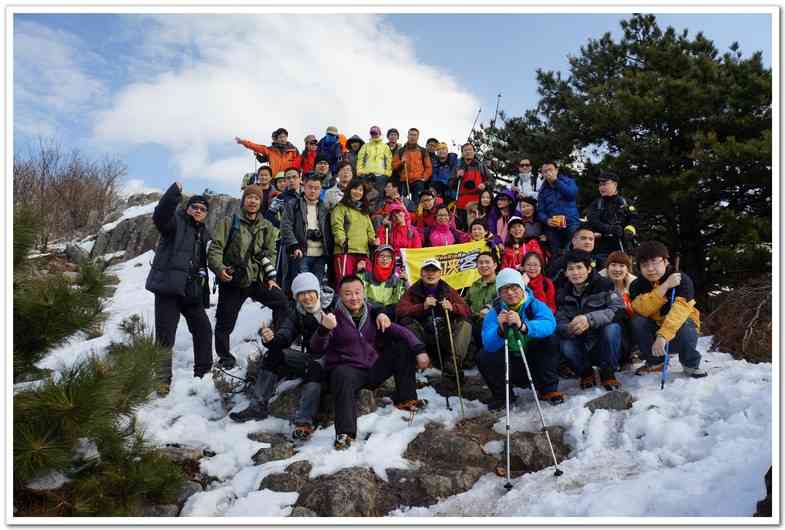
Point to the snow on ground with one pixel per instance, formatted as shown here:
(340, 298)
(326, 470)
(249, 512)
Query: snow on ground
(697, 448)
(133, 211)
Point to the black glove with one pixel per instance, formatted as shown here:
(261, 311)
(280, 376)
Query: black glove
(261, 158)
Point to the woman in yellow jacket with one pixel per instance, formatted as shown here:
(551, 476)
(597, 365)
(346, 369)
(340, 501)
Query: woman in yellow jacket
(352, 230)
(375, 161)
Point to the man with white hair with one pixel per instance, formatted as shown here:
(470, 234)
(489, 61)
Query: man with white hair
(517, 310)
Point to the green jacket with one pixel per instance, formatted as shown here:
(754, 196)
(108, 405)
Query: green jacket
(480, 295)
(260, 262)
(374, 158)
(360, 227)
(386, 293)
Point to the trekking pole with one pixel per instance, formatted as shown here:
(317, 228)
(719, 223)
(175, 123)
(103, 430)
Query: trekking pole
(439, 351)
(406, 178)
(667, 360)
(474, 125)
(558, 471)
(454, 360)
(508, 485)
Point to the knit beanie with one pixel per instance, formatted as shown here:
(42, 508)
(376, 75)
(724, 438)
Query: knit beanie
(198, 199)
(253, 189)
(303, 282)
(509, 277)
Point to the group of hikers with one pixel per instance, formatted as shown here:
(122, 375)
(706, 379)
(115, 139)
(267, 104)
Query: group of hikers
(318, 240)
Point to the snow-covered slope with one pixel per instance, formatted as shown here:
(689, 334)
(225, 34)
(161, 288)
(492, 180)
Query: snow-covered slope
(697, 448)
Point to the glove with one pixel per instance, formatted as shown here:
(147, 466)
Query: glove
(261, 158)
(629, 232)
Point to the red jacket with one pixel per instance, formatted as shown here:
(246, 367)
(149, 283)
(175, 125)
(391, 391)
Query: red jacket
(411, 303)
(474, 174)
(513, 257)
(544, 290)
(401, 236)
(308, 161)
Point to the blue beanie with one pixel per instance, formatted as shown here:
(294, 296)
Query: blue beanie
(509, 277)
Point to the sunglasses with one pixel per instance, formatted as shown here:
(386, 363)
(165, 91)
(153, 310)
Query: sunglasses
(312, 143)
(198, 208)
(524, 165)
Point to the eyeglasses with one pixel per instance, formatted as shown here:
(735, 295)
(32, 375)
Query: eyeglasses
(524, 165)
(198, 208)
(651, 263)
(312, 143)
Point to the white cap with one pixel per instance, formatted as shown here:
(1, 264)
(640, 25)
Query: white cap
(431, 262)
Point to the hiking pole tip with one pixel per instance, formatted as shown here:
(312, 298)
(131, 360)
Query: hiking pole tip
(558, 472)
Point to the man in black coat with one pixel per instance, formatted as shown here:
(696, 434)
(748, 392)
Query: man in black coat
(306, 234)
(613, 218)
(178, 277)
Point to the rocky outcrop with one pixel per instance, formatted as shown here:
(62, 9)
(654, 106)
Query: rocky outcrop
(137, 235)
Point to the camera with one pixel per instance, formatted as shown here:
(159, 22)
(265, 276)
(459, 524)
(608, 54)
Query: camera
(313, 235)
(469, 185)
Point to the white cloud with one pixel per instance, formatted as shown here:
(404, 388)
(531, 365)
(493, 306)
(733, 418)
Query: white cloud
(247, 75)
(135, 186)
(51, 78)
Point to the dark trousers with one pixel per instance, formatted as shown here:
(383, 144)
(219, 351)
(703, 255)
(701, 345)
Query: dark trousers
(559, 238)
(461, 337)
(289, 363)
(603, 351)
(167, 315)
(346, 381)
(684, 343)
(542, 356)
(231, 299)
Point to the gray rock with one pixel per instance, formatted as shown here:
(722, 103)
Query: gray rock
(301, 468)
(269, 437)
(300, 511)
(50, 481)
(613, 400)
(274, 452)
(285, 405)
(161, 510)
(138, 199)
(189, 488)
(282, 482)
(76, 254)
(447, 448)
(350, 492)
(529, 451)
(181, 453)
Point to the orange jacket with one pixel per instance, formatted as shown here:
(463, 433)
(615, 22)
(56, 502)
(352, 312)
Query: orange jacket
(280, 160)
(418, 163)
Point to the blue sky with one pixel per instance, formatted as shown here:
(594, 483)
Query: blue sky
(167, 94)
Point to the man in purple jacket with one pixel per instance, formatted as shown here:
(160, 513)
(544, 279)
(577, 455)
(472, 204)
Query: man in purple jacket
(362, 349)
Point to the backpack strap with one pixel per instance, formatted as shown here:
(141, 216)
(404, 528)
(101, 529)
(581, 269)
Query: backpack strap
(232, 230)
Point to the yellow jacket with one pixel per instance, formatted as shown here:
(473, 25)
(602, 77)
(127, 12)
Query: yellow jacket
(648, 304)
(374, 158)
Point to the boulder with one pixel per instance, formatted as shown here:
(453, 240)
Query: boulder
(76, 254)
(350, 492)
(190, 487)
(285, 404)
(529, 451)
(180, 453)
(300, 511)
(161, 510)
(280, 451)
(473, 388)
(451, 449)
(613, 400)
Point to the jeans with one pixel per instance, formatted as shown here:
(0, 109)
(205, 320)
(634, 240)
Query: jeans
(542, 356)
(559, 238)
(604, 353)
(313, 264)
(644, 331)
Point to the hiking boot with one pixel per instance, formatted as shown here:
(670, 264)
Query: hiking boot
(554, 397)
(255, 411)
(695, 373)
(413, 405)
(343, 442)
(227, 363)
(565, 370)
(649, 369)
(303, 432)
(608, 379)
(587, 379)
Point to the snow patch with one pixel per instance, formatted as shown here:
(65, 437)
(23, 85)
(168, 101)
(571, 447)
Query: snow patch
(133, 211)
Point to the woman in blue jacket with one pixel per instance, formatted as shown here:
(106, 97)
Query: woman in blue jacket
(516, 308)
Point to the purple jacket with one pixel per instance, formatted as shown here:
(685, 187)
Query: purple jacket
(356, 345)
(492, 218)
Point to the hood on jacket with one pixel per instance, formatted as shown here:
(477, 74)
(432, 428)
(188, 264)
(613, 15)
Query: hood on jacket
(355, 138)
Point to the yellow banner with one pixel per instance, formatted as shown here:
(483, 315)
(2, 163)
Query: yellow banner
(459, 262)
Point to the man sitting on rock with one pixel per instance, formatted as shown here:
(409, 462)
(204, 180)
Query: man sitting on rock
(287, 355)
(517, 310)
(363, 348)
(424, 308)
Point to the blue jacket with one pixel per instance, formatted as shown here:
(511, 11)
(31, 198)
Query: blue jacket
(542, 325)
(558, 200)
(444, 171)
(330, 147)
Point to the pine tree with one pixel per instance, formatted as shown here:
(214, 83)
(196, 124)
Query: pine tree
(687, 129)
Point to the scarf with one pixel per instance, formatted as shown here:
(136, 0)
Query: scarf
(382, 273)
